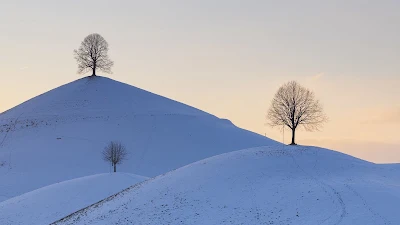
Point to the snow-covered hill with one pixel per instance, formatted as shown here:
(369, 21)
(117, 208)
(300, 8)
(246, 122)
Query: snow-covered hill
(60, 134)
(50, 203)
(266, 185)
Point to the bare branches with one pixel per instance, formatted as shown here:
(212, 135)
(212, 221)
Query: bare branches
(294, 105)
(93, 55)
(115, 153)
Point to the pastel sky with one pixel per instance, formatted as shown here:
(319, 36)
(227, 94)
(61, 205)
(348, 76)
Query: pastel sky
(226, 57)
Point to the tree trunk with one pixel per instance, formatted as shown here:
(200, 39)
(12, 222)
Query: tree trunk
(94, 71)
(115, 168)
(293, 137)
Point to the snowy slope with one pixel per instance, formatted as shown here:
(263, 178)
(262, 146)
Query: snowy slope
(53, 202)
(59, 135)
(266, 185)
(95, 97)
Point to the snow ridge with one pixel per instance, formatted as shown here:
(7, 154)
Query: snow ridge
(265, 185)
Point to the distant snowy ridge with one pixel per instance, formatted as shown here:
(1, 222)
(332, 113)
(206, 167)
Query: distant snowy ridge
(91, 98)
(99, 94)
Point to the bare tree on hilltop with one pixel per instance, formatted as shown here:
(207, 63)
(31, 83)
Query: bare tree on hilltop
(92, 55)
(294, 105)
(115, 153)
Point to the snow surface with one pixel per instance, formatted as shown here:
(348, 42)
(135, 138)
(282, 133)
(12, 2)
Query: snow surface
(60, 134)
(266, 185)
(53, 202)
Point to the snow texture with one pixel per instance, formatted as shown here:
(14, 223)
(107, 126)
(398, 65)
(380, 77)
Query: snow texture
(266, 185)
(59, 135)
(53, 202)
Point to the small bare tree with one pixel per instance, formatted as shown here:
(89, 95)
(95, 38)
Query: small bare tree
(93, 55)
(115, 153)
(294, 105)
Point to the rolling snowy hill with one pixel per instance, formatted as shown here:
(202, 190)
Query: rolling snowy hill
(50, 203)
(266, 185)
(60, 134)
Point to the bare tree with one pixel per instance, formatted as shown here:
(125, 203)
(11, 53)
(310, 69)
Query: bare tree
(115, 153)
(294, 105)
(93, 55)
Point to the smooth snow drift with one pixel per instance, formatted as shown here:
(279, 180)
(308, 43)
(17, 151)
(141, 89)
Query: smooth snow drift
(53, 202)
(59, 135)
(267, 185)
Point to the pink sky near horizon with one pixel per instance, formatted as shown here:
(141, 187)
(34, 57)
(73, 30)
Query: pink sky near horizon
(227, 58)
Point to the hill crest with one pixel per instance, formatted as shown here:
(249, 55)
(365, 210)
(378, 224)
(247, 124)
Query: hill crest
(60, 134)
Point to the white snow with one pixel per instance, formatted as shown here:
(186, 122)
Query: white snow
(266, 185)
(53, 202)
(60, 134)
